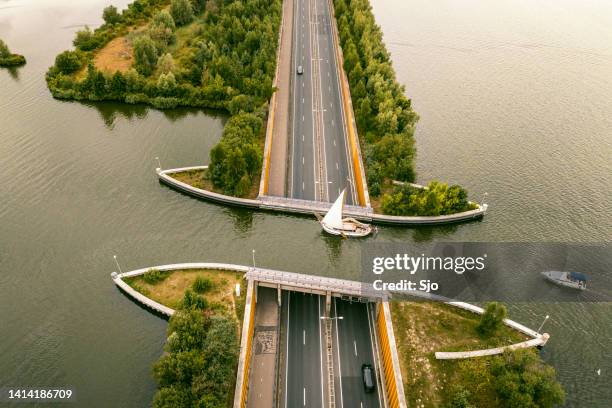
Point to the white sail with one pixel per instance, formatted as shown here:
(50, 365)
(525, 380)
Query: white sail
(333, 218)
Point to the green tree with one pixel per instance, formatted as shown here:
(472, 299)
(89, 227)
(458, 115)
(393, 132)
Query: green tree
(492, 319)
(181, 11)
(172, 397)
(111, 15)
(68, 62)
(166, 64)
(4, 50)
(186, 331)
(162, 29)
(85, 40)
(145, 55)
(523, 380)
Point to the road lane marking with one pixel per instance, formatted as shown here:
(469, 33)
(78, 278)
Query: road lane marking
(321, 352)
(302, 100)
(302, 138)
(355, 347)
(302, 160)
(333, 125)
(287, 356)
(337, 167)
(339, 366)
(304, 396)
(302, 186)
(304, 336)
(334, 142)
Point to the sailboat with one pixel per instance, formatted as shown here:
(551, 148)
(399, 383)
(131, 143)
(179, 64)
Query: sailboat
(334, 224)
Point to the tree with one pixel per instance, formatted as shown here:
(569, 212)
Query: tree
(172, 397)
(492, 318)
(162, 29)
(86, 40)
(181, 11)
(165, 64)
(111, 15)
(523, 380)
(145, 55)
(186, 331)
(68, 62)
(4, 50)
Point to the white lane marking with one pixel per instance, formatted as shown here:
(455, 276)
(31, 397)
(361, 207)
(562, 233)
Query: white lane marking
(302, 118)
(321, 353)
(334, 142)
(331, 104)
(287, 355)
(329, 88)
(304, 336)
(361, 404)
(333, 125)
(337, 167)
(339, 366)
(302, 160)
(302, 84)
(302, 138)
(302, 100)
(302, 186)
(355, 347)
(304, 396)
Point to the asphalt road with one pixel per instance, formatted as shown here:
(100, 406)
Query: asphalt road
(304, 342)
(320, 165)
(353, 347)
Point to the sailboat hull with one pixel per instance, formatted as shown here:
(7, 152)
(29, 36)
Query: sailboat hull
(357, 229)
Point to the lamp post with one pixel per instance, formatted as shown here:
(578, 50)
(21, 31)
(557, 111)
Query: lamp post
(117, 263)
(542, 325)
(253, 258)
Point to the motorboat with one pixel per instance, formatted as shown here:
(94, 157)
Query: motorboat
(574, 280)
(334, 224)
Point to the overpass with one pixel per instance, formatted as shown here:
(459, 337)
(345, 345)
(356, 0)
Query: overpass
(325, 329)
(312, 151)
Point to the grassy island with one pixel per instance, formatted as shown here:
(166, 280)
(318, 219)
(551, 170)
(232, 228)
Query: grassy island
(8, 59)
(201, 359)
(386, 121)
(520, 377)
(198, 53)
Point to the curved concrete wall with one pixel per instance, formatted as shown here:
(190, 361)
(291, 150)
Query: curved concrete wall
(150, 303)
(285, 205)
(457, 355)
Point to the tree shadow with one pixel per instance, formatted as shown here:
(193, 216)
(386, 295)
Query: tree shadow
(14, 72)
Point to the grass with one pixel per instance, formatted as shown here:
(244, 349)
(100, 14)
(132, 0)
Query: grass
(199, 179)
(421, 329)
(220, 296)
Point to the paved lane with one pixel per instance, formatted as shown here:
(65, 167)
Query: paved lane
(320, 167)
(353, 347)
(304, 341)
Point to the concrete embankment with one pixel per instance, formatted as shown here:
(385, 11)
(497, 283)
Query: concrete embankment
(307, 207)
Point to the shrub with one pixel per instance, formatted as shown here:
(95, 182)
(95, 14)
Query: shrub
(111, 15)
(193, 301)
(201, 284)
(166, 65)
(154, 276)
(162, 29)
(145, 55)
(68, 62)
(492, 318)
(181, 11)
(522, 379)
(4, 50)
(86, 40)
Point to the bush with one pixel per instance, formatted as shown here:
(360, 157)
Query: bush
(522, 379)
(437, 199)
(201, 285)
(86, 40)
(111, 15)
(13, 60)
(194, 301)
(162, 29)
(4, 50)
(68, 62)
(492, 319)
(145, 55)
(154, 276)
(181, 11)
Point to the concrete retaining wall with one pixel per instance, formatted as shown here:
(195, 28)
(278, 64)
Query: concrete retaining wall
(306, 207)
(150, 303)
(456, 355)
(246, 345)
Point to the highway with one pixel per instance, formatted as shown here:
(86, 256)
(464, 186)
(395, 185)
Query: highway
(304, 342)
(353, 346)
(320, 166)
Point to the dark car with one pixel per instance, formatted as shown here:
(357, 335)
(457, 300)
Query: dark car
(300, 70)
(367, 373)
